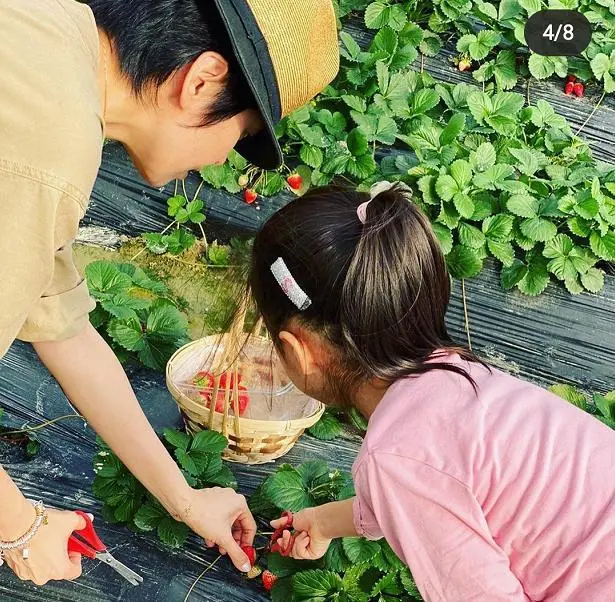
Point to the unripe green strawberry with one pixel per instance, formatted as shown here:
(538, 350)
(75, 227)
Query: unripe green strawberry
(464, 65)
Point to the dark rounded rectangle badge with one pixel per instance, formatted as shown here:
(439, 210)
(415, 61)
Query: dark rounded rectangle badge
(558, 32)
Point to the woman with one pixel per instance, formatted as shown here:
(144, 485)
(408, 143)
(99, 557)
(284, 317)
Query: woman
(168, 80)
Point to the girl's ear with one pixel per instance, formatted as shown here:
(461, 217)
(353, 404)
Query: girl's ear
(297, 352)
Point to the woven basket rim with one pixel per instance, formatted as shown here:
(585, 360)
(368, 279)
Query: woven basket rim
(296, 423)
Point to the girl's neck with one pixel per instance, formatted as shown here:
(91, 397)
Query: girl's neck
(369, 396)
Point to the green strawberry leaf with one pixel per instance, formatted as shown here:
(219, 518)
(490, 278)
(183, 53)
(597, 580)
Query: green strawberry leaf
(513, 274)
(498, 227)
(173, 533)
(523, 205)
(287, 491)
(175, 203)
(327, 428)
(310, 586)
(535, 280)
(502, 250)
(464, 262)
(155, 243)
(454, 127)
(445, 236)
(538, 229)
(593, 280)
(606, 404)
(603, 246)
(149, 516)
(105, 280)
(470, 236)
(360, 550)
(335, 558)
(177, 439)
(483, 158)
(209, 442)
(570, 394)
(311, 155)
(494, 177)
(179, 241)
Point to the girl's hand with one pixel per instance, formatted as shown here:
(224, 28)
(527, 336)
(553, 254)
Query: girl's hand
(49, 558)
(310, 543)
(221, 517)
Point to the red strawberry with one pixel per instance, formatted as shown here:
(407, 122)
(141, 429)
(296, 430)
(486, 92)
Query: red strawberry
(203, 380)
(269, 580)
(243, 180)
(464, 65)
(224, 378)
(249, 195)
(579, 89)
(571, 78)
(250, 552)
(244, 400)
(569, 88)
(295, 181)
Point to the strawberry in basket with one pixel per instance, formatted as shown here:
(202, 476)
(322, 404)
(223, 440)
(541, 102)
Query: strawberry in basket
(205, 382)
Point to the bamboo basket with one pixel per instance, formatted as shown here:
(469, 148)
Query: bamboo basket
(276, 418)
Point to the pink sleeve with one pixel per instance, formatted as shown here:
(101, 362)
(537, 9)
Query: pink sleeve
(437, 527)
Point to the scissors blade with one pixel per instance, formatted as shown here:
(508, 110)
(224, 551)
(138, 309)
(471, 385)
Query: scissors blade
(122, 569)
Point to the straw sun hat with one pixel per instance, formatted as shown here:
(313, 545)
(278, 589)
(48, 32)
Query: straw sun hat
(288, 51)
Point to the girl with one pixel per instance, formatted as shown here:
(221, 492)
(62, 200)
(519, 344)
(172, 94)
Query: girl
(488, 487)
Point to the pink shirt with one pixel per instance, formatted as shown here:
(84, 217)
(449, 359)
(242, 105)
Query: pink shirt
(506, 496)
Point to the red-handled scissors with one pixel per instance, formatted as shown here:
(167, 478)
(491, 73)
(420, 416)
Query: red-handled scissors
(274, 545)
(88, 543)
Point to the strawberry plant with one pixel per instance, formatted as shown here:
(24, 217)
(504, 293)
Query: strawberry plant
(354, 569)
(21, 437)
(333, 422)
(126, 501)
(512, 182)
(598, 405)
(497, 179)
(135, 313)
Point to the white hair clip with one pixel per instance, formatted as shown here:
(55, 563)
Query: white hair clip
(289, 285)
(374, 191)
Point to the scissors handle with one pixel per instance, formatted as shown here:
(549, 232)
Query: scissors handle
(274, 545)
(88, 543)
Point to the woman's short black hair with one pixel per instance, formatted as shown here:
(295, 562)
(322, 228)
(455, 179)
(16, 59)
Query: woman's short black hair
(156, 38)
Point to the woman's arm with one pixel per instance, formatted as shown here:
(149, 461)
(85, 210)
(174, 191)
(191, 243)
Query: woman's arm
(16, 513)
(94, 380)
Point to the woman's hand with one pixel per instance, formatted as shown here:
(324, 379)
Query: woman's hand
(221, 517)
(49, 558)
(310, 542)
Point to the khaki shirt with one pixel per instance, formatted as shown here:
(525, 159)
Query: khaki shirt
(51, 136)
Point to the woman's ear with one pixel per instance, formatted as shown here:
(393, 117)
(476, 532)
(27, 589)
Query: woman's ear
(297, 352)
(202, 81)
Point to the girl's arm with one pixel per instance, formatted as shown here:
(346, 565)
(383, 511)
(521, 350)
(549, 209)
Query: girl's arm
(316, 527)
(94, 380)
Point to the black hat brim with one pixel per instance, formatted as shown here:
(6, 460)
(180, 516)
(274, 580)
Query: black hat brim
(252, 53)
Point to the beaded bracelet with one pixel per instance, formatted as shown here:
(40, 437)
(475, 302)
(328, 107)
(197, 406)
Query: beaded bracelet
(24, 540)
